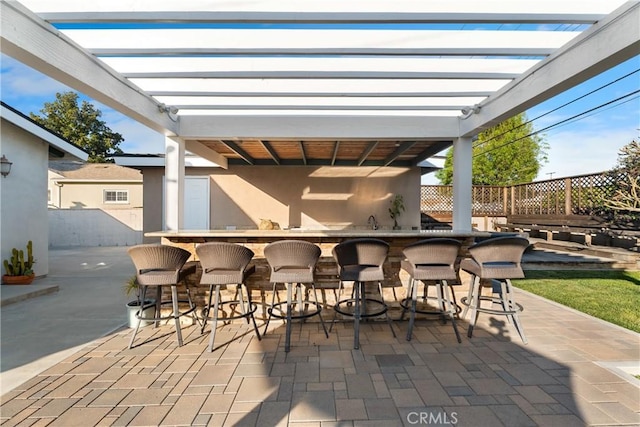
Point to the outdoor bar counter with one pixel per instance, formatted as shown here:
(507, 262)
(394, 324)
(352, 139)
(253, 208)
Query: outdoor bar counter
(326, 239)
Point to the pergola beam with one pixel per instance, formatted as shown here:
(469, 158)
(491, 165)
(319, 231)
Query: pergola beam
(328, 11)
(26, 38)
(338, 127)
(608, 43)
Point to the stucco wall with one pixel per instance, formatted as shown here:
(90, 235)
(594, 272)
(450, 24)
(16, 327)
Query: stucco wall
(95, 227)
(80, 195)
(23, 195)
(297, 196)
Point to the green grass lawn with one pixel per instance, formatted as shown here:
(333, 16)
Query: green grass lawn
(613, 296)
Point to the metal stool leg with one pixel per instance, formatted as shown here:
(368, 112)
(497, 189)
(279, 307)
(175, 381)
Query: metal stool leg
(469, 297)
(270, 310)
(287, 339)
(158, 305)
(474, 304)
(335, 313)
(513, 307)
(207, 309)
(414, 301)
(315, 295)
(386, 312)
(253, 319)
(214, 320)
(356, 313)
(138, 315)
(451, 309)
(176, 313)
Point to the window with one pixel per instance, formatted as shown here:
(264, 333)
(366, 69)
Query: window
(116, 196)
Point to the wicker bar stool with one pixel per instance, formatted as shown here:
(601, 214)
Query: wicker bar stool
(360, 261)
(157, 266)
(496, 259)
(226, 264)
(431, 260)
(293, 263)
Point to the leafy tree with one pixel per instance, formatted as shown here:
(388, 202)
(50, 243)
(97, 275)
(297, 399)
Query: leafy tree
(506, 154)
(81, 125)
(626, 195)
(618, 201)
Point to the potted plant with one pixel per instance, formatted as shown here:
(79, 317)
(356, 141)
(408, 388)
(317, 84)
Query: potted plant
(19, 271)
(396, 208)
(131, 286)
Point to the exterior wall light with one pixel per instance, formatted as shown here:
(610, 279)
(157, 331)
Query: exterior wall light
(5, 166)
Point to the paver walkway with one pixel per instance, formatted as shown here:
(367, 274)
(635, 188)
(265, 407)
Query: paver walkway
(489, 380)
(559, 378)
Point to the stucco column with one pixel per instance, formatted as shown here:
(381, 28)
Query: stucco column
(173, 183)
(462, 173)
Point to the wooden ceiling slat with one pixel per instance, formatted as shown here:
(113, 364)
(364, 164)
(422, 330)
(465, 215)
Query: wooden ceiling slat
(269, 149)
(372, 146)
(330, 153)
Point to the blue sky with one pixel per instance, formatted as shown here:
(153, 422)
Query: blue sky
(585, 145)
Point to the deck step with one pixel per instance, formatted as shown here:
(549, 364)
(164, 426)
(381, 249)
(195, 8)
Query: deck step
(568, 255)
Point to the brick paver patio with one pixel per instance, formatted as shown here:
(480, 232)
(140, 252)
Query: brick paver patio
(489, 380)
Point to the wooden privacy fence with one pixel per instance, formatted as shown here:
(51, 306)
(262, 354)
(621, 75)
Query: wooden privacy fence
(574, 195)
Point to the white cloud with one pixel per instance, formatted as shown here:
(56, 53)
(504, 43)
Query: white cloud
(20, 81)
(581, 151)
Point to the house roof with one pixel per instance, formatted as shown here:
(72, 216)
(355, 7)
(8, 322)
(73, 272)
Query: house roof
(359, 82)
(58, 146)
(74, 170)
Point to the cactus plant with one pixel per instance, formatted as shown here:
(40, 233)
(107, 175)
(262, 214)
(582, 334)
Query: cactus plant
(17, 265)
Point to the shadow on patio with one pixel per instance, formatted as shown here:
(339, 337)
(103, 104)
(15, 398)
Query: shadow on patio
(487, 380)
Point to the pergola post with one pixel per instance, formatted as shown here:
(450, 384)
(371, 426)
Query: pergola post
(462, 173)
(174, 183)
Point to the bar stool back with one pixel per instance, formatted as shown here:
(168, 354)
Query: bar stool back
(431, 260)
(495, 259)
(157, 266)
(361, 261)
(293, 263)
(226, 264)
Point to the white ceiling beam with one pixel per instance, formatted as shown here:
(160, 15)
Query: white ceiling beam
(26, 38)
(605, 45)
(323, 87)
(317, 127)
(319, 112)
(207, 102)
(317, 42)
(314, 67)
(205, 152)
(577, 11)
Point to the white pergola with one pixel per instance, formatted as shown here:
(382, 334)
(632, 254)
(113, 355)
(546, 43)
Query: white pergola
(300, 82)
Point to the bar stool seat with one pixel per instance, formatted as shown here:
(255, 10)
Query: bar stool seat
(431, 260)
(293, 263)
(226, 264)
(497, 259)
(158, 266)
(360, 261)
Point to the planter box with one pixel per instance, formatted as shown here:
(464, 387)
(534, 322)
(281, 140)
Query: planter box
(17, 280)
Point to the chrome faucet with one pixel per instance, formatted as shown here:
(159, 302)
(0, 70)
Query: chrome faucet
(372, 222)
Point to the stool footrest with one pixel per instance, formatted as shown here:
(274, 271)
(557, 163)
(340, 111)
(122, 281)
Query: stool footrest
(382, 307)
(172, 316)
(516, 308)
(277, 312)
(406, 304)
(205, 311)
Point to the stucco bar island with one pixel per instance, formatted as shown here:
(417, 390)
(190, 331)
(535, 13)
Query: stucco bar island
(326, 272)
